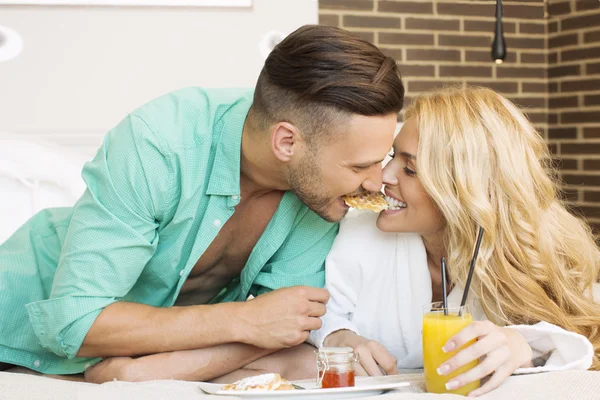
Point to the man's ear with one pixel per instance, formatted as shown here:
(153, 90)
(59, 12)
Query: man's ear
(285, 140)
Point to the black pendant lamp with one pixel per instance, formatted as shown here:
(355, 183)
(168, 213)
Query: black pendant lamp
(499, 45)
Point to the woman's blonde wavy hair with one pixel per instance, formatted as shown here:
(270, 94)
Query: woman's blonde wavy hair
(484, 164)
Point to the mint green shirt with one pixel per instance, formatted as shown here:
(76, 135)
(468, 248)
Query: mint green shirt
(160, 188)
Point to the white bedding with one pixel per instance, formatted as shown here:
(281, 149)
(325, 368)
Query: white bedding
(567, 385)
(35, 175)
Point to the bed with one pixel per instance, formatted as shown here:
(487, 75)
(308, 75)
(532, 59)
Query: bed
(575, 385)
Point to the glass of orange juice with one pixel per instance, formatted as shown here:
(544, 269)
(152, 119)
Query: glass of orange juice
(438, 327)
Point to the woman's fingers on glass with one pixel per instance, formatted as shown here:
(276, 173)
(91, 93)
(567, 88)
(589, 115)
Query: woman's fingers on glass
(501, 374)
(482, 347)
(471, 332)
(485, 368)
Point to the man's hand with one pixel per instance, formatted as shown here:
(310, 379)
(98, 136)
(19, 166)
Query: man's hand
(374, 358)
(284, 317)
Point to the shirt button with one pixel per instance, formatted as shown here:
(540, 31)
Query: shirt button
(36, 363)
(181, 272)
(86, 366)
(217, 222)
(235, 197)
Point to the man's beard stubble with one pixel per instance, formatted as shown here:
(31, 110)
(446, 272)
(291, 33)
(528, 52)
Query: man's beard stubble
(306, 182)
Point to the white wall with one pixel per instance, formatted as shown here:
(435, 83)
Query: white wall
(83, 68)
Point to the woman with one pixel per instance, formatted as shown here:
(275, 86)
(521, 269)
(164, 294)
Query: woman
(464, 159)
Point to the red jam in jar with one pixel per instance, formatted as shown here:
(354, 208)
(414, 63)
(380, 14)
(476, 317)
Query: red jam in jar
(334, 379)
(335, 367)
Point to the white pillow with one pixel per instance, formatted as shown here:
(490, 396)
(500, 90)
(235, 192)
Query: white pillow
(35, 175)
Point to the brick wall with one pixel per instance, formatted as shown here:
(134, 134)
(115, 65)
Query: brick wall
(574, 99)
(549, 70)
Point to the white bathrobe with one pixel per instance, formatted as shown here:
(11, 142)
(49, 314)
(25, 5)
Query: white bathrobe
(379, 283)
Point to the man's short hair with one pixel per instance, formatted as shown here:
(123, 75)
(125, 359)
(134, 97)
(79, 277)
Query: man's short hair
(320, 74)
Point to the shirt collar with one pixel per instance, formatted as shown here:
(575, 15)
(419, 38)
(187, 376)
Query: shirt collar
(225, 176)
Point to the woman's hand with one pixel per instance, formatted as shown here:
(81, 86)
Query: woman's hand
(374, 358)
(504, 350)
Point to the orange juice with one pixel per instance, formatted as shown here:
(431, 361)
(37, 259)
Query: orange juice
(437, 329)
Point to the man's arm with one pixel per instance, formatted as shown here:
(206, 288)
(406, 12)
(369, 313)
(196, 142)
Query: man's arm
(132, 329)
(278, 319)
(112, 234)
(190, 365)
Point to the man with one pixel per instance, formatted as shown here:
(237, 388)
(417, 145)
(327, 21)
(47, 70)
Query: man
(196, 201)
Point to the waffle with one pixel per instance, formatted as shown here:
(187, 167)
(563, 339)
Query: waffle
(373, 201)
(264, 382)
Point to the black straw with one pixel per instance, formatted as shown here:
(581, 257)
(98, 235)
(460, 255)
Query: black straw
(444, 296)
(471, 269)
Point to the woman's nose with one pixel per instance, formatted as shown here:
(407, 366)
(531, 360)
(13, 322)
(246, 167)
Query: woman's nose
(388, 175)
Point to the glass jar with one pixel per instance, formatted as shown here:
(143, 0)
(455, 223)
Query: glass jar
(335, 367)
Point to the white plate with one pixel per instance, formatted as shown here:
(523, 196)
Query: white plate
(365, 386)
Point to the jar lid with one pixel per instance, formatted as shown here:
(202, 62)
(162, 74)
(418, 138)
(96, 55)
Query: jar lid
(336, 350)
